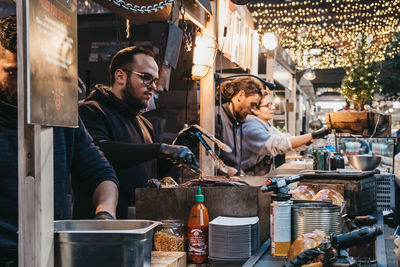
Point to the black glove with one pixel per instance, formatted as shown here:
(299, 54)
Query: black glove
(103, 215)
(178, 155)
(187, 138)
(304, 257)
(320, 133)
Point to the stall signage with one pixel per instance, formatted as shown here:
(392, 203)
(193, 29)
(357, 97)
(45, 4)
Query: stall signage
(52, 63)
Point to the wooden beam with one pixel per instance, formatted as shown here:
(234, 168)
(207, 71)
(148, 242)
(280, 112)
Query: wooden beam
(207, 101)
(35, 168)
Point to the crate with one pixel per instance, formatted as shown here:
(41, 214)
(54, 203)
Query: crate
(359, 189)
(385, 196)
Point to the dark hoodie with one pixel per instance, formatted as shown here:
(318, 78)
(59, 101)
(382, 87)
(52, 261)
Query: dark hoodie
(126, 138)
(229, 131)
(74, 153)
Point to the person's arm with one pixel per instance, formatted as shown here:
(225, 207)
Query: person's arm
(119, 154)
(105, 197)
(397, 249)
(263, 142)
(92, 172)
(297, 141)
(122, 155)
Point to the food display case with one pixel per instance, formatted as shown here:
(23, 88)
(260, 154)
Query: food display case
(378, 146)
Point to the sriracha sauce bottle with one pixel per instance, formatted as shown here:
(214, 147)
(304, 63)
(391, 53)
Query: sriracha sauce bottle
(198, 230)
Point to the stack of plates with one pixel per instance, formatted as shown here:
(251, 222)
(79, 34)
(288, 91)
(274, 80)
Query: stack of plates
(233, 238)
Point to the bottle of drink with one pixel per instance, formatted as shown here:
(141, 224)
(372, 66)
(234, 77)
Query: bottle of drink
(198, 230)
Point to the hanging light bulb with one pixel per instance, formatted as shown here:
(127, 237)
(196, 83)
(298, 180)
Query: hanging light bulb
(309, 74)
(270, 41)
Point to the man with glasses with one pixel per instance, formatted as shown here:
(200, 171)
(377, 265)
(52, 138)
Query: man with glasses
(262, 141)
(113, 117)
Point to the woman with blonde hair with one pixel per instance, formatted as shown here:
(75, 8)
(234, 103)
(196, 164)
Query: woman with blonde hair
(262, 141)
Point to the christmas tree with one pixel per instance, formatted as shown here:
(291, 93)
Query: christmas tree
(389, 79)
(361, 80)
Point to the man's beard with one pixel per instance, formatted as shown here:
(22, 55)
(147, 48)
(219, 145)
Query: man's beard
(240, 116)
(8, 95)
(131, 100)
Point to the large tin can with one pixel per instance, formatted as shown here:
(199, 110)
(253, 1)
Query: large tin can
(280, 220)
(320, 159)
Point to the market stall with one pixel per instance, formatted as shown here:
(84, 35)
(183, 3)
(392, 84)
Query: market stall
(244, 219)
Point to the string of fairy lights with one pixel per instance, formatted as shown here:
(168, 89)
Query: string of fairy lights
(320, 33)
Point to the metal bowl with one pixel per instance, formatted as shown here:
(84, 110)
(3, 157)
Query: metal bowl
(364, 162)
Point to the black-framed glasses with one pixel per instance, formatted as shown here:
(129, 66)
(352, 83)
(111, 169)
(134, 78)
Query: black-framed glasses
(147, 78)
(268, 105)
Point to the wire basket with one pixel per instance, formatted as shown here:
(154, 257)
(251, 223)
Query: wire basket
(385, 197)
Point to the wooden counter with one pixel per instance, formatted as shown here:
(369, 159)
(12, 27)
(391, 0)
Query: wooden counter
(168, 259)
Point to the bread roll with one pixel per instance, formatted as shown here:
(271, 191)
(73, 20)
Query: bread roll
(332, 194)
(306, 241)
(302, 192)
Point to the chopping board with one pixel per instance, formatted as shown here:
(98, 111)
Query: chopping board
(168, 259)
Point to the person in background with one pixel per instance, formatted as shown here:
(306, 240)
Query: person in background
(113, 117)
(397, 249)
(239, 97)
(262, 141)
(74, 152)
(396, 171)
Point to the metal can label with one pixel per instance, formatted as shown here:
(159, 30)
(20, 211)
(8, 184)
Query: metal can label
(280, 220)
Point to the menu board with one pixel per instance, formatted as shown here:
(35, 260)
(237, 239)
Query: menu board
(52, 63)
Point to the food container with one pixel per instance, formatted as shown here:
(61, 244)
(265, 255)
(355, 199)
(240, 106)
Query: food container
(81, 243)
(307, 217)
(170, 236)
(364, 162)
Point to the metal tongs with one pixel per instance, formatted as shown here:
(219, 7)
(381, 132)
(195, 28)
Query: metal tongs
(197, 132)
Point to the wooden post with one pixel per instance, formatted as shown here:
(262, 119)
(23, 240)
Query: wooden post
(291, 124)
(35, 168)
(207, 100)
(270, 66)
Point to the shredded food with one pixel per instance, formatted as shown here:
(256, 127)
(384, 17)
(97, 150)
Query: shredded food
(167, 241)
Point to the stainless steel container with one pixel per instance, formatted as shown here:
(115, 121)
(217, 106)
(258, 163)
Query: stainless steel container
(103, 242)
(364, 162)
(307, 217)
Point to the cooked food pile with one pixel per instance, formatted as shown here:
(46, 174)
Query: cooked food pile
(304, 192)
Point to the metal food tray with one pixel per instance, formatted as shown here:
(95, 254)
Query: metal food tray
(342, 175)
(81, 243)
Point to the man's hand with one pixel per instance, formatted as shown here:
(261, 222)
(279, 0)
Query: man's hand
(178, 155)
(103, 215)
(320, 133)
(397, 250)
